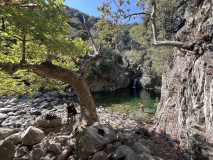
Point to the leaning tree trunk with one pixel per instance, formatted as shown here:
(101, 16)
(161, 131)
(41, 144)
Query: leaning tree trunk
(88, 109)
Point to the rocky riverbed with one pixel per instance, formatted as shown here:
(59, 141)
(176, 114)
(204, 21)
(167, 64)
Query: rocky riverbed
(25, 134)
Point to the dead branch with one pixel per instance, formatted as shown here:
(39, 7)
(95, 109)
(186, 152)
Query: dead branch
(95, 57)
(177, 44)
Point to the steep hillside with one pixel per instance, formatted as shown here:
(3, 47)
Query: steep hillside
(186, 107)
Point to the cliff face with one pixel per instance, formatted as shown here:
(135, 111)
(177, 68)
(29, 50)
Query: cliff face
(186, 107)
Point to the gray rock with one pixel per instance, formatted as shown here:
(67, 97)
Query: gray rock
(5, 132)
(143, 132)
(6, 110)
(55, 148)
(122, 152)
(7, 150)
(49, 123)
(139, 148)
(117, 144)
(3, 116)
(39, 100)
(15, 100)
(109, 148)
(11, 114)
(15, 109)
(132, 156)
(93, 139)
(36, 112)
(100, 156)
(20, 152)
(32, 136)
(15, 138)
(8, 106)
(20, 113)
(37, 154)
(44, 105)
(1, 104)
(146, 156)
(121, 137)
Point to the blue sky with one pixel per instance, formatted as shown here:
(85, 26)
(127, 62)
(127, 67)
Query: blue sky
(90, 7)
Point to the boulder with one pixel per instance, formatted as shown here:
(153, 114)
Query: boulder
(7, 150)
(140, 148)
(20, 152)
(100, 156)
(122, 151)
(143, 132)
(49, 123)
(6, 110)
(55, 148)
(93, 139)
(15, 138)
(32, 136)
(5, 132)
(36, 154)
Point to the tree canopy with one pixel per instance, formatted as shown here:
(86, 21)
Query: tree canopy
(32, 36)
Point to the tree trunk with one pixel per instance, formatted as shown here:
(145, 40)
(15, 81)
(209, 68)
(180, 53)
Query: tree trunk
(88, 109)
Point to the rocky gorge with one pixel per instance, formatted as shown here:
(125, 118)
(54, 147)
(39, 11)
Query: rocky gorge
(185, 110)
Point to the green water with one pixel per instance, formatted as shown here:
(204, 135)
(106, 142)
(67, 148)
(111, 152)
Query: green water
(128, 100)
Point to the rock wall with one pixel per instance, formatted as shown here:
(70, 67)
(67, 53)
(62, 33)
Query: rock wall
(186, 107)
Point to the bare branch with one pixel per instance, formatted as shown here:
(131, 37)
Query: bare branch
(135, 14)
(90, 35)
(86, 65)
(95, 57)
(177, 44)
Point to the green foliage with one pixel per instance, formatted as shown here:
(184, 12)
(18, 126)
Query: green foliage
(43, 33)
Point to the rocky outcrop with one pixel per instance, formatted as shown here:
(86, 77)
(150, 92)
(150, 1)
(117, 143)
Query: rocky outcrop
(186, 107)
(116, 79)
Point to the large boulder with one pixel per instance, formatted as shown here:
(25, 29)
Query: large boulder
(93, 139)
(32, 136)
(5, 132)
(49, 123)
(7, 150)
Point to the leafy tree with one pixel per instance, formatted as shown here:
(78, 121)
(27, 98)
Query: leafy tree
(35, 52)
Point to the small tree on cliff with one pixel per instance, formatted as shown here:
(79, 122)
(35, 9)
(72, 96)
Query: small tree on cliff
(35, 52)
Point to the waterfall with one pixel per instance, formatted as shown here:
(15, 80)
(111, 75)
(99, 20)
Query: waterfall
(135, 81)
